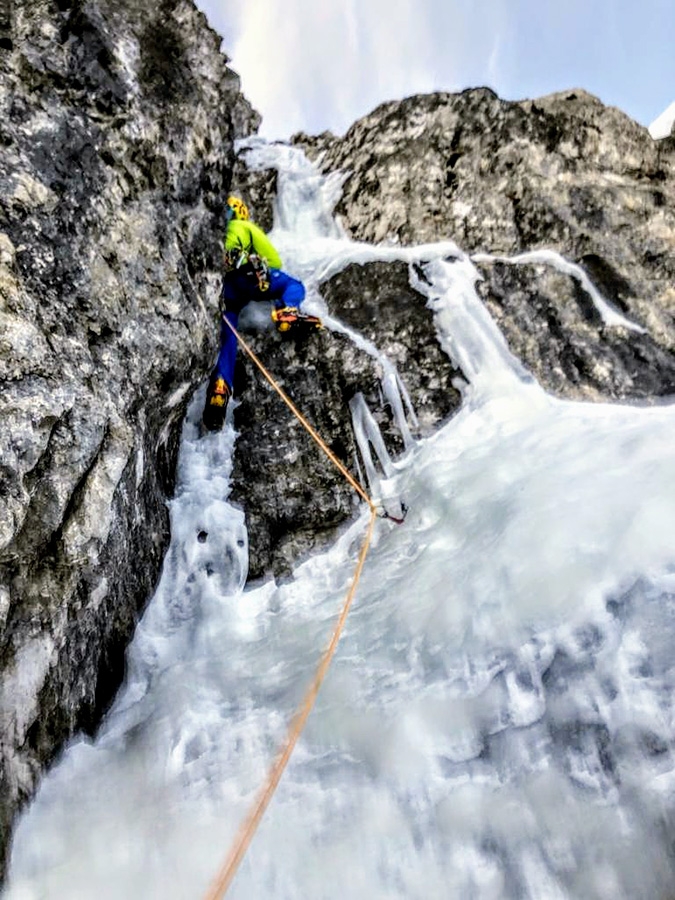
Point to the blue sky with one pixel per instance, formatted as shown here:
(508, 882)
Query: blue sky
(320, 64)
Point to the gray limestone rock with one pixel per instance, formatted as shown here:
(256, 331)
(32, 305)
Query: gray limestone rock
(259, 187)
(116, 154)
(563, 172)
(116, 157)
(552, 325)
(293, 496)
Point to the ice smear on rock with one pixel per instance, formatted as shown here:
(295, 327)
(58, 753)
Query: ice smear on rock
(608, 314)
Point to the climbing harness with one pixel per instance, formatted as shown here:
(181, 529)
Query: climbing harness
(261, 270)
(248, 827)
(250, 264)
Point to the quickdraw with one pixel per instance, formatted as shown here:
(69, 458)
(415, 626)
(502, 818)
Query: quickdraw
(261, 270)
(398, 520)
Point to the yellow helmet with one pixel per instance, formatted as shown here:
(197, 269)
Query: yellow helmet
(238, 207)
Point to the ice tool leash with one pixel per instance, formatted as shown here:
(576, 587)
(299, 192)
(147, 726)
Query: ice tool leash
(247, 829)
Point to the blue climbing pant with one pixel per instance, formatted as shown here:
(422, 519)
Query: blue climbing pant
(238, 291)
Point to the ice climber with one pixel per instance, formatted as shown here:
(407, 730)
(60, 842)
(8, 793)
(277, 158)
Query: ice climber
(252, 272)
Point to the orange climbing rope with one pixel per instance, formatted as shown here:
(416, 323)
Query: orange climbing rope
(248, 827)
(296, 412)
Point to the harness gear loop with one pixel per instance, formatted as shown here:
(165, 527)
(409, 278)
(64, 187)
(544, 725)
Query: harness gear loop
(249, 264)
(261, 270)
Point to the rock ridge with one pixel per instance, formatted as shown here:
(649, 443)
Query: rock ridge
(116, 154)
(563, 172)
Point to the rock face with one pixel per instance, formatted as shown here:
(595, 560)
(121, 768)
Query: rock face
(551, 324)
(116, 155)
(563, 172)
(292, 495)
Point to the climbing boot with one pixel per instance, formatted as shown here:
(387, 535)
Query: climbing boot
(290, 317)
(217, 397)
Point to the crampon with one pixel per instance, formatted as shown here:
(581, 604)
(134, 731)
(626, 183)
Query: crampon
(217, 397)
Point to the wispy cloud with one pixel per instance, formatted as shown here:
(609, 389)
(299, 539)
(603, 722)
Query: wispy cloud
(320, 64)
(311, 65)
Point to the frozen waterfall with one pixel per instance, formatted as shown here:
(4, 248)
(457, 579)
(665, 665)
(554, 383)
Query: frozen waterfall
(498, 721)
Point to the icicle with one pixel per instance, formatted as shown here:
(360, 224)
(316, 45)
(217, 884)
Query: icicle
(393, 388)
(469, 335)
(367, 433)
(399, 399)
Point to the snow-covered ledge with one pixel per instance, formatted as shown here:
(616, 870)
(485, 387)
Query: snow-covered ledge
(663, 124)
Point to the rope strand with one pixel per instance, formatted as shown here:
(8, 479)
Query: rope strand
(296, 412)
(250, 824)
(248, 828)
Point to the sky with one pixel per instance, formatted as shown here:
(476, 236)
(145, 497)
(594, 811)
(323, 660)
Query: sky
(315, 65)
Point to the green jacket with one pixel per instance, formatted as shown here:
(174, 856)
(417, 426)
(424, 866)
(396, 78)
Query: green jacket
(244, 235)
